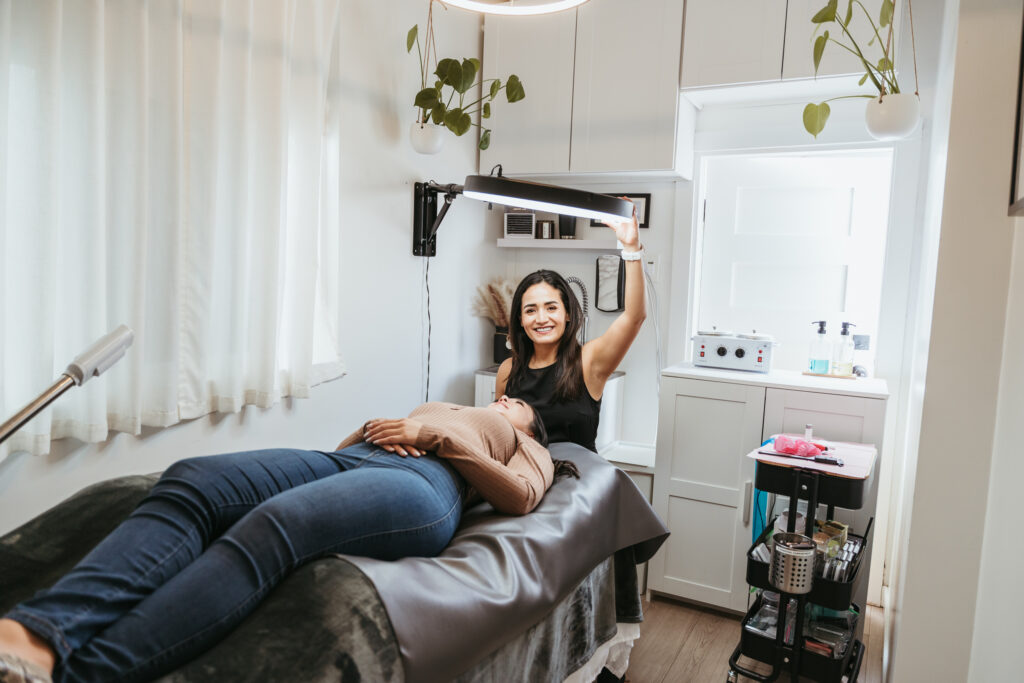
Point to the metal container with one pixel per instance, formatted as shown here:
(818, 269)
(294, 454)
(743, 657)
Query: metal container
(792, 565)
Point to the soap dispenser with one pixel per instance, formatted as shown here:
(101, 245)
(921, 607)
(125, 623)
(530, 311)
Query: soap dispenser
(842, 354)
(821, 351)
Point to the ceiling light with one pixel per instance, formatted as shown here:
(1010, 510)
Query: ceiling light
(513, 8)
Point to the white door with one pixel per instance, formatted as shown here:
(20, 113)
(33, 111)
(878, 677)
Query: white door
(702, 489)
(732, 41)
(791, 238)
(625, 90)
(840, 418)
(798, 59)
(532, 135)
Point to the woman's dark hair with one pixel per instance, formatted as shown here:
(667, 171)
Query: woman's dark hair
(540, 432)
(563, 468)
(569, 361)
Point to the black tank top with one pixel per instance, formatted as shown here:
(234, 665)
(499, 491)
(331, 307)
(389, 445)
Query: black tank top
(574, 420)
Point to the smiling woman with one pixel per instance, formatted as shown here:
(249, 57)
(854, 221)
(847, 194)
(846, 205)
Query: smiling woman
(549, 368)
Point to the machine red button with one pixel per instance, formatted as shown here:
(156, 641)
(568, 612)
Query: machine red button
(759, 359)
(701, 354)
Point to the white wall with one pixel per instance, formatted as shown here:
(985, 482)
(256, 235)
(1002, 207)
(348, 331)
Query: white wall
(382, 313)
(937, 604)
(997, 621)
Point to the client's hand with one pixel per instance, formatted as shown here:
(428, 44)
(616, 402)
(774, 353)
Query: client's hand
(394, 436)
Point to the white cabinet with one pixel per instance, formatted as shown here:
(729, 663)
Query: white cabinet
(708, 421)
(531, 135)
(602, 91)
(703, 487)
(733, 42)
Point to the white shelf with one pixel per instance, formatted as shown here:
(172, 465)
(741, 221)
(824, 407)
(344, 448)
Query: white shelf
(527, 243)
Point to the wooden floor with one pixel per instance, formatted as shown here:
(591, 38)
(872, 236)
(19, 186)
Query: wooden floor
(681, 643)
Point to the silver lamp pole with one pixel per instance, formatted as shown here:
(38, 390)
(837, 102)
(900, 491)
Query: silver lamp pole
(92, 362)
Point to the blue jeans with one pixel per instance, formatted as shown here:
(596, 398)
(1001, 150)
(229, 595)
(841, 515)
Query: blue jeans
(213, 537)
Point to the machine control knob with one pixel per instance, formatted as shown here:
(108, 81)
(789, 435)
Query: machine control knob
(740, 353)
(722, 350)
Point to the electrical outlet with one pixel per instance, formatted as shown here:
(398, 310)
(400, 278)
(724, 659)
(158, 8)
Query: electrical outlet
(651, 266)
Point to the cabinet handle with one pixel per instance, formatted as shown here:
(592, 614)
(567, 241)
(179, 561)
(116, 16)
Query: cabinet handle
(748, 490)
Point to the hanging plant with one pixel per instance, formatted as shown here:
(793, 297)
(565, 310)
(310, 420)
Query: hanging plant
(443, 103)
(891, 114)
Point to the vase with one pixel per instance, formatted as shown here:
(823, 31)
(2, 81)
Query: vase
(426, 138)
(501, 349)
(892, 116)
(567, 227)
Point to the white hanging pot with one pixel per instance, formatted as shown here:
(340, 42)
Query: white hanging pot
(426, 138)
(892, 116)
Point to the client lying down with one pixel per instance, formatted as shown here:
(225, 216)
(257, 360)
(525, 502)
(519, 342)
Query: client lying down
(217, 533)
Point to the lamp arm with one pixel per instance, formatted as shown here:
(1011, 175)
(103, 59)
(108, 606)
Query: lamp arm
(92, 362)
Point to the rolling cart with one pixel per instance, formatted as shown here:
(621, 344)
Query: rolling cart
(818, 485)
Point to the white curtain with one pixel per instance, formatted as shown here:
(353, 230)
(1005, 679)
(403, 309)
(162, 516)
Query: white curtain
(170, 165)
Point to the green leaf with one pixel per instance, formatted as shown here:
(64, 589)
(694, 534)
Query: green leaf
(457, 121)
(437, 115)
(514, 90)
(426, 98)
(849, 14)
(863, 79)
(454, 75)
(444, 68)
(469, 67)
(495, 87)
(826, 13)
(476, 62)
(438, 85)
(410, 38)
(871, 42)
(819, 48)
(884, 64)
(486, 111)
(885, 14)
(815, 116)
(485, 138)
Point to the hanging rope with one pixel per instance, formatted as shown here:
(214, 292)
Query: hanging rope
(913, 46)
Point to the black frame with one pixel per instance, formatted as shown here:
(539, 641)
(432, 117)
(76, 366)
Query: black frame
(643, 213)
(1017, 177)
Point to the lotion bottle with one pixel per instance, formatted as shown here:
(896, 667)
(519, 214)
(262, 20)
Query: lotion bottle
(818, 359)
(842, 354)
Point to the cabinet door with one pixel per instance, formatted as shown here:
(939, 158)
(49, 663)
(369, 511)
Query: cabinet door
(798, 59)
(532, 135)
(732, 41)
(702, 488)
(625, 92)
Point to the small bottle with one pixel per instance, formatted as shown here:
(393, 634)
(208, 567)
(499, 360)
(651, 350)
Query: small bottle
(821, 351)
(842, 353)
(808, 432)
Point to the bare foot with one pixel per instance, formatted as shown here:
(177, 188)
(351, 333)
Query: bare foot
(18, 640)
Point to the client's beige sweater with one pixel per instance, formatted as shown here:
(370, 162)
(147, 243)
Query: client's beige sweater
(508, 468)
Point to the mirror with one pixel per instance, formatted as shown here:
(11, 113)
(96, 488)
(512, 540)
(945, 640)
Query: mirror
(611, 283)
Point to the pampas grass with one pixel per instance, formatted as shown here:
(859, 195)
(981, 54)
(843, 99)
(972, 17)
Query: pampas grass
(494, 301)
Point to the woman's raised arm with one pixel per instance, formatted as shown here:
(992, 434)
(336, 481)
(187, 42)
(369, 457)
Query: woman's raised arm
(601, 356)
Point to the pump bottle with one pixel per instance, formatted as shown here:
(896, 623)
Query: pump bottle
(818, 360)
(842, 353)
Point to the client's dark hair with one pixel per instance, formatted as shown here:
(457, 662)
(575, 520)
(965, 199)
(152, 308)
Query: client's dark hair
(563, 468)
(540, 432)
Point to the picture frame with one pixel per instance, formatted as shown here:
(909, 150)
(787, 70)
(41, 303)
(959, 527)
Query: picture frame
(1016, 207)
(643, 208)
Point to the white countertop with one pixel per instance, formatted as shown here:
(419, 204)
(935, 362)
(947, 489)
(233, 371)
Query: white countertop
(867, 387)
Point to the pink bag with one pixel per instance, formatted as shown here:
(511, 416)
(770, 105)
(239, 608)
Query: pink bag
(793, 446)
